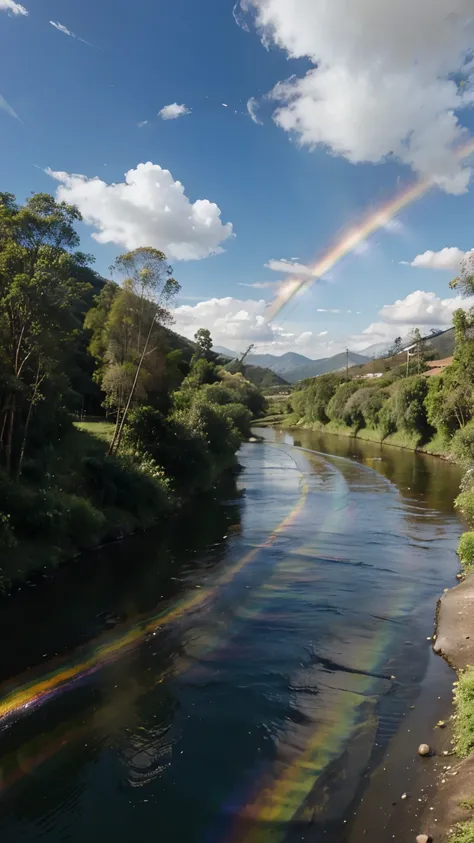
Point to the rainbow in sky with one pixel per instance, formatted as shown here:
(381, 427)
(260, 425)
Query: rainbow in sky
(353, 238)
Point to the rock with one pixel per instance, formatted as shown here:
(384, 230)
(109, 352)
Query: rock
(252, 439)
(459, 576)
(404, 796)
(424, 750)
(441, 724)
(423, 838)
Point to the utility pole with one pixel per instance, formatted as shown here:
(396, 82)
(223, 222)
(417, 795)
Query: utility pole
(347, 364)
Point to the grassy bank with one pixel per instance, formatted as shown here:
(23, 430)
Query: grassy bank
(80, 501)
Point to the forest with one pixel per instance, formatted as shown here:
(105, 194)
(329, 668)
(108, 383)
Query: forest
(107, 422)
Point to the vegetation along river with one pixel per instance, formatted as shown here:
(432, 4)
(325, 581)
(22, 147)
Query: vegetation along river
(260, 673)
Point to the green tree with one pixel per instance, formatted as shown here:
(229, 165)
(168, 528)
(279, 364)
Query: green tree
(204, 343)
(38, 293)
(464, 282)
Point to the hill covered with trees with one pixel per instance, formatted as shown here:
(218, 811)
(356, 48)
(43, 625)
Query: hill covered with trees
(75, 346)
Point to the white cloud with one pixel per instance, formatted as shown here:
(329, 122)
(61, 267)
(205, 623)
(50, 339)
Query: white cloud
(173, 111)
(142, 123)
(448, 258)
(296, 269)
(423, 309)
(149, 208)
(252, 108)
(323, 333)
(61, 28)
(5, 106)
(382, 82)
(12, 8)
(234, 323)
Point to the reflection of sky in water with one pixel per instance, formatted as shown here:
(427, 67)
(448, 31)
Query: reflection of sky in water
(231, 717)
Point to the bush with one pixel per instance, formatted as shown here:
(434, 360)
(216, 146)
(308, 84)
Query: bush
(356, 407)
(466, 550)
(373, 407)
(462, 445)
(464, 701)
(337, 404)
(464, 503)
(120, 482)
(84, 525)
(387, 418)
(409, 407)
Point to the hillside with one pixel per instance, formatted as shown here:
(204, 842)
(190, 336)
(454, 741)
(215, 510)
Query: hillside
(258, 375)
(323, 367)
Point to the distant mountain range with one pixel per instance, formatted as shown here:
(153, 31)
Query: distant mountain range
(293, 367)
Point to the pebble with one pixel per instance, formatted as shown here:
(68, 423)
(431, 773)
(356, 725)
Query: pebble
(404, 796)
(424, 750)
(422, 838)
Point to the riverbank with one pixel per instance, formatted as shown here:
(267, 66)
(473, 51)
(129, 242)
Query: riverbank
(436, 447)
(453, 803)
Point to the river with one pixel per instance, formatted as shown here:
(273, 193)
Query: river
(258, 671)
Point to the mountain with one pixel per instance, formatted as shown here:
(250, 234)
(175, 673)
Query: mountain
(283, 365)
(226, 352)
(336, 363)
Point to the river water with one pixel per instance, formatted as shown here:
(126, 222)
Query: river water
(259, 671)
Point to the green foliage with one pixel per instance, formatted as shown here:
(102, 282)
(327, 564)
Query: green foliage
(203, 341)
(337, 404)
(317, 395)
(408, 405)
(387, 418)
(356, 407)
(462, 445)
(466, 551)
(464, 724)
(463, 833)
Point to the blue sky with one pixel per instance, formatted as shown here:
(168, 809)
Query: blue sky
(288, 184)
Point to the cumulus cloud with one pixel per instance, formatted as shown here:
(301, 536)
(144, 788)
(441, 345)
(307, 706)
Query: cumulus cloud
(383, 81)
(423, 309)
(448, 258)
(234, 323)
(5, 106)
(149, 208)
(252, 108)
(173, 111)
(239, 18)
(12, 8)
(296, 269)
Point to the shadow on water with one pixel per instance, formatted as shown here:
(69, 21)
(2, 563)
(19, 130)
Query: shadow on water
(261, 710)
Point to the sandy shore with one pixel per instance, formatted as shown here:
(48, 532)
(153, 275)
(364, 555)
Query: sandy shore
(455, 643)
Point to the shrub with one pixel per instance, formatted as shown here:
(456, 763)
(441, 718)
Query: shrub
(387, 418)
(337, 404)
(408, 405)
(462, 445)
(466, 550)
(356, 407)
(84, 525)
(464, 700)
(464, 503)
(373, 406)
